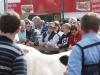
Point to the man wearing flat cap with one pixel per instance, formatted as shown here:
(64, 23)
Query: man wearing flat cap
(50, 37)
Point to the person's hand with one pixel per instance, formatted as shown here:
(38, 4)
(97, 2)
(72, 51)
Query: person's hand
(28, 44)
(47, 47)
(43, 43)
(55, 46)
(70, 47)
(65, 73)
(22, 40)
(59, 44)
(31, 43)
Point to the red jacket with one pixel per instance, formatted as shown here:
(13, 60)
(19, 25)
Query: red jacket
(75, 38)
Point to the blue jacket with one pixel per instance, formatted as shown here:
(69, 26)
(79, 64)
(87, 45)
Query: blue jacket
(91, 54)
(44, 28)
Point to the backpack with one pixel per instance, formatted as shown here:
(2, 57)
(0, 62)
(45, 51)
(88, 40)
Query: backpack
(90, 69)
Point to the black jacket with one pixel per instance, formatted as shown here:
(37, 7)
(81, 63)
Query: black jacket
(64, 40)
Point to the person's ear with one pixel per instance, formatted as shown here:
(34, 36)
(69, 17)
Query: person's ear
(18, 30)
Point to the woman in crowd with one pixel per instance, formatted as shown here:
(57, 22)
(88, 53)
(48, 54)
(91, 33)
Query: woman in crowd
(58, 28)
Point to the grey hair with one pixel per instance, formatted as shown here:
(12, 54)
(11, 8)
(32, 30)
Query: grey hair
(74, 18)
(22, 21)
(36, 19)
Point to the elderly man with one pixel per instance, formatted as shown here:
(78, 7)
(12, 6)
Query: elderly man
(72, 20)
(50, 37)
(22, 32)
(85, 56)
(39, 24)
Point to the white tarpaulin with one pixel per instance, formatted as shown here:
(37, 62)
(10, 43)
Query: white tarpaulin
(14, 1)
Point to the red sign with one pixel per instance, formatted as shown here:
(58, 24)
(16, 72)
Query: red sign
(15, 7)
(55, 6)
(83, 5)
(95, 6)
(44, 6)
(69, 5)
(49, 6)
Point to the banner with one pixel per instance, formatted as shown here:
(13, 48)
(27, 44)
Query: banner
(15, 7)
(54, 6)
(83, 5)
(69, 5)
(44, 6)
(95, 6)
(27, 9)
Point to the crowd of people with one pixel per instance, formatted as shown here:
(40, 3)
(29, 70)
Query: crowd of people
(80, 37)
(85, 56)
(37, 32)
